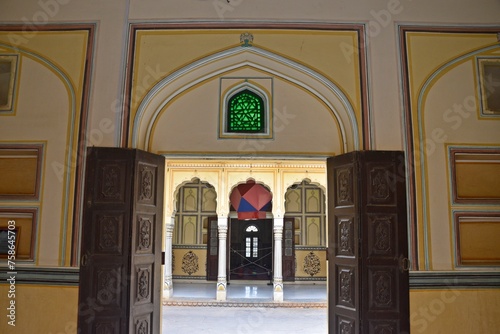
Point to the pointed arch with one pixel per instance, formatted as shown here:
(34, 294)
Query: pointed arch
(175, 84)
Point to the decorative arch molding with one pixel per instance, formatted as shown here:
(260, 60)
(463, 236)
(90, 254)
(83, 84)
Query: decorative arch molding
(177, 187)
(155, 101)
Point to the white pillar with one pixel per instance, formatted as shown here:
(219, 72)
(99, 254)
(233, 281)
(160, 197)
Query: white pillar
(168, 287)
(278, 271)
(221, 274)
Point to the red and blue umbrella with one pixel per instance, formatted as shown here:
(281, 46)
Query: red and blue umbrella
(251, 200)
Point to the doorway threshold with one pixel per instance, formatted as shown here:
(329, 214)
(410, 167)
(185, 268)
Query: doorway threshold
(248, 294)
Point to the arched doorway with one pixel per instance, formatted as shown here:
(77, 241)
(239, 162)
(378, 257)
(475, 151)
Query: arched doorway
(251, 250)
(250, 232)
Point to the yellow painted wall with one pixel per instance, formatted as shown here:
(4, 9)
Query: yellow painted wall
(53, 310)
(40, 309)
(455, 311)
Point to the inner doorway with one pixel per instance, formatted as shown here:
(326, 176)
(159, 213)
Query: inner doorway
(251, 249)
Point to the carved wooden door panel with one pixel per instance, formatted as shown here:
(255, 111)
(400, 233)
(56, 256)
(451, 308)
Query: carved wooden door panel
(368, 244)
(212, 249)
(120, 265)
(288, 263)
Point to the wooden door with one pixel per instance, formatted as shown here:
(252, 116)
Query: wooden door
(120, 265)
(367, 251)
(251, 254)
(288, 254)
(212, 249)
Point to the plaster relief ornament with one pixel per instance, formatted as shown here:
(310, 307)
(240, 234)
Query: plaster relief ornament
(312, 264)
(246, 39)
(190, 263)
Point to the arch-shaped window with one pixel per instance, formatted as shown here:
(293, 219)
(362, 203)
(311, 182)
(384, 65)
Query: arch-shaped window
(245, 112)
(252, 228)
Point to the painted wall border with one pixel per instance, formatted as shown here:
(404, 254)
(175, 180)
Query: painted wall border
(419, 280)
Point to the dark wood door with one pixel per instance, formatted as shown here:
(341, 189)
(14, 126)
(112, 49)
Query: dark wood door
(120, 265)
(288, 263)
(251, 252)
(212, 249)
(367, 243)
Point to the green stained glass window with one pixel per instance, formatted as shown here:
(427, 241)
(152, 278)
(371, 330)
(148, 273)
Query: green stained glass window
(246, 113)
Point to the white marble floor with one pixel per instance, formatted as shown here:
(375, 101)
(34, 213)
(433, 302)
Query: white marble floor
(240, 320)
(247, 290)
(243, 320)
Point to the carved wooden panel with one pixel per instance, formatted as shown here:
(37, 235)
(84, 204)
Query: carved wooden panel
(143, 325)
(110, 181)
(145, 233)
(107, 327)
(383, 327)
(381, 180)
(109, 233)
(383, 288)
(345, 326)
(345, 236)
(382, 235)
(367, 244)
(343, 186)
(109, 286)
(143, 284)
(346, 284)
(147, 181)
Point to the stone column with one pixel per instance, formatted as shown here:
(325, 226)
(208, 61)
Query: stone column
(168, 287)
(278, 253)
(221, 275)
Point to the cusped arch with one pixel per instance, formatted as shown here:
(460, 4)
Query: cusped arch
(215, 65)
(245, 181)
(309, 180)
(181, 183)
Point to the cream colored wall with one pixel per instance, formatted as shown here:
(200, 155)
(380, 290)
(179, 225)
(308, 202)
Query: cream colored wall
(445, 112)
(302, 124)
(47, 111)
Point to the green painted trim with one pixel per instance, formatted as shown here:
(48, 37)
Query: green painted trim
(43, 276)
(69, 276)
(454, 279)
